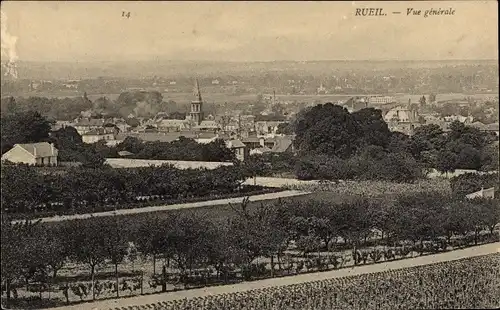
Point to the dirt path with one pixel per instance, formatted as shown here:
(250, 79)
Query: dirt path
(283, 194)
(245, 286)
(277, 182)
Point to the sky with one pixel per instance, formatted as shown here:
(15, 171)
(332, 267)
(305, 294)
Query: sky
(246, 31)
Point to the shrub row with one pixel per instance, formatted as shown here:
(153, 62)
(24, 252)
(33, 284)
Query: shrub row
(76, 190)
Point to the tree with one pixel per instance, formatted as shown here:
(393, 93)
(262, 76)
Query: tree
(18, 246)
(23, 189)
(328, 129)
(446, 161)
(149, 238)
(131, 144)
(374, 129)
(490, 157)
(456, 219)
(258, 232)
(177, 115)
(91, 158)
(66, 138)
(132, 122)
(103, 104)
(417, 216)
(285, 128)
(399, 167)
(55, 250)
(468, 157)
(217, 151)
(489, 211)
(460, 133)
(23, 127)
(254, 166)
(115, 245)
(88, 244)
(399, 142)
(187, 241)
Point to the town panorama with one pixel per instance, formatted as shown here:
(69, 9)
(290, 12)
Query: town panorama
(223, 155)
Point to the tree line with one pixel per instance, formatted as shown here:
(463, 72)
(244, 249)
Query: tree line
(137, 103)
(221, 249)
(333, 143)
(181, 149)
(31, 190)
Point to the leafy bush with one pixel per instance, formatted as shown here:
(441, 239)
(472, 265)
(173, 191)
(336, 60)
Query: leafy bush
(397, 167)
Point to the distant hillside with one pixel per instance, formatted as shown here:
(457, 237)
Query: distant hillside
(166, 68)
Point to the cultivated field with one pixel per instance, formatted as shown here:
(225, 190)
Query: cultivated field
(136, 272)
(472, 271)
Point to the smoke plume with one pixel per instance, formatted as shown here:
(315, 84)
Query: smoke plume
(9, 55)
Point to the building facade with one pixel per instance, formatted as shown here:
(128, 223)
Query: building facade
(402, 119)
(375, 100)
(43, 154)
(97, 135)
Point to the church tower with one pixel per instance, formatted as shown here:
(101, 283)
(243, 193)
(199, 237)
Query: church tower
(197, 105)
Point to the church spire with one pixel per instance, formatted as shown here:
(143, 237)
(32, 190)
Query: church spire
(197, 92)
(197, 105)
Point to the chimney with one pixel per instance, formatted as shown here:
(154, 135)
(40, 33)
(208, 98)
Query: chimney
(34, 151)
(52, 149)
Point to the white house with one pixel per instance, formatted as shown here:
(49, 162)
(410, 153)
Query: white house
(96, 135)
(41, 153)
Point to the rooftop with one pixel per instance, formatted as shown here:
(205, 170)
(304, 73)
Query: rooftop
(234, 144)
(90, 122)
(41, 149)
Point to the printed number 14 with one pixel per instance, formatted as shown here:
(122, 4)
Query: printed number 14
(126, 14)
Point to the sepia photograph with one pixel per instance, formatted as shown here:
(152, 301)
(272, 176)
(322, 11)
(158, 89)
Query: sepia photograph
(249, 155)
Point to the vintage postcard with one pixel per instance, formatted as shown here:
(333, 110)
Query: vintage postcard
(249, 155)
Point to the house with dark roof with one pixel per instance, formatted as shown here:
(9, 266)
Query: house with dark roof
(88, 124)
(147, 137)
(253, 142)
(41, 153)
(207, 125)
(239, 149)
(283, 145)
(170, 125)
